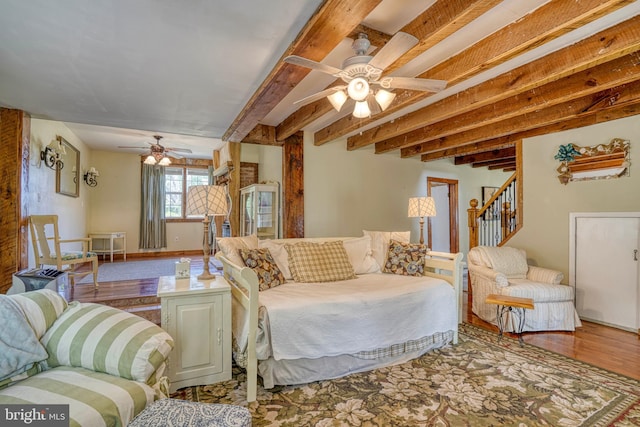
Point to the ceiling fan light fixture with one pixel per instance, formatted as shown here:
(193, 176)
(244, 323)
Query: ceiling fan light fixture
(150, 160)
(358, 89)
(337, 99)
(165, 161)
(384, 98)
(361, 110)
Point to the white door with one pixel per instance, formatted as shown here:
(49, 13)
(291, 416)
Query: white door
(606, 270)
(440, 239)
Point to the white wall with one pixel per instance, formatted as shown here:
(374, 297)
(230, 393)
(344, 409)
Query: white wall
(348, 191)
(115, 204)
(43, 199)
(345, 192)
(547, 203)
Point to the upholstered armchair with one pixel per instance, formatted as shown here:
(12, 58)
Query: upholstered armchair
(504, 271)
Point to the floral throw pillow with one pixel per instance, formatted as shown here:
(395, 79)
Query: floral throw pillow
(406, 259)
(261, 261)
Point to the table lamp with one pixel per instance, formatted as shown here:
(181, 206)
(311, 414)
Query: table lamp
(207, 200)
(421, 207)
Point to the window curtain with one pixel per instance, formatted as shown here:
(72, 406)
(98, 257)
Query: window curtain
(153, 225)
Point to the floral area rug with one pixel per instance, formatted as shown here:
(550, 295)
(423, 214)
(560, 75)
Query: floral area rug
(478, 382)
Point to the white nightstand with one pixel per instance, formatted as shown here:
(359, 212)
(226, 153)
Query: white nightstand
(197, 314)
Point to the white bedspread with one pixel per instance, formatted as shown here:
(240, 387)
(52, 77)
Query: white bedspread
(311, 320)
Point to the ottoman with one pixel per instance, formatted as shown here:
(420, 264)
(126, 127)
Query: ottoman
(175, 412)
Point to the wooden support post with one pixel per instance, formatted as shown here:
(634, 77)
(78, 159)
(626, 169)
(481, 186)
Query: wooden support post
(15, 126)
(293, 186)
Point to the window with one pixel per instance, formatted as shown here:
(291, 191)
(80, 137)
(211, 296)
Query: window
(177, 181)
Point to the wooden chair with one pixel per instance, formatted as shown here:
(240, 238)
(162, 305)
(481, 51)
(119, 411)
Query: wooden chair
(46, 244)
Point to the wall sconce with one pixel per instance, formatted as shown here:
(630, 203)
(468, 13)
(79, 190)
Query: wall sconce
(90, 177)
(51, 158)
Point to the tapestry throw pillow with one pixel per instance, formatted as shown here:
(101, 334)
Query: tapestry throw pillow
(319, 262)
(380, 242)
(406, 259)
(263, 264)
(231, 246)
(105, 339)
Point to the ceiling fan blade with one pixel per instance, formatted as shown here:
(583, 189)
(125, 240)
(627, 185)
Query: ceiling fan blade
(140, 148)
(394, 49)
(412, 83)
(308, 63)
(182, 150)
(319, 95)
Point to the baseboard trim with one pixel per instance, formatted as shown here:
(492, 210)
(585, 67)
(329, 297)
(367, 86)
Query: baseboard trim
(162, 254)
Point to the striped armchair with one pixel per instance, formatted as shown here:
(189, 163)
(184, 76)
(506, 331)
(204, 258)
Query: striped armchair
(505, 271)
(106, 364)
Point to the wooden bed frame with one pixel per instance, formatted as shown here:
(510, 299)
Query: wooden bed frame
(244, 289)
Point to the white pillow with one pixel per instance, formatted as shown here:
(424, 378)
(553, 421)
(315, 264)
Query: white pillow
(279, 254)
(230, 247)
(361, 255)
(380, 243)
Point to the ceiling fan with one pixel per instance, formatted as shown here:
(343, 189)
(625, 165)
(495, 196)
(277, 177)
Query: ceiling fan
(361, 72)
(159, 152)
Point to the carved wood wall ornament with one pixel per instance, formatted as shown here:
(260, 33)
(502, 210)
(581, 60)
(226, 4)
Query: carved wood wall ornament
(601, 161)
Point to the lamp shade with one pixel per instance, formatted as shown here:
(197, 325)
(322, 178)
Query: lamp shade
(206, 200)
(421, 207)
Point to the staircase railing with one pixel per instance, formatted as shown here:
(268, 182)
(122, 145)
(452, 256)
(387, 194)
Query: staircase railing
(499, 219)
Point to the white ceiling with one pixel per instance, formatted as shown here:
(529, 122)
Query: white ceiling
(119, 71)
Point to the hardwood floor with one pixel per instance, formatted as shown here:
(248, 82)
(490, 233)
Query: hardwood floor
(602, 346)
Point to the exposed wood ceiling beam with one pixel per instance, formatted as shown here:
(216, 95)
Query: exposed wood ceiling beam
(263, 135)
(496, 164)
(506, 167)
(604, 76)
(617, 96)
(609, 44)
(604, 114)
(438, 21)
(319, 36)
(546, 23)
(486, 156)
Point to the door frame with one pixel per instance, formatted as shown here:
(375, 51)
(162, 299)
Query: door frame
(452, 184)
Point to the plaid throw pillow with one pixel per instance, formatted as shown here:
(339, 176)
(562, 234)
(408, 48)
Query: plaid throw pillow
(319, 262)
(406, 259)
(263, 264)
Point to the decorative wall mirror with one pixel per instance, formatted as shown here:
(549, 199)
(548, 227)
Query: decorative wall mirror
(67, 181)
(602, 161)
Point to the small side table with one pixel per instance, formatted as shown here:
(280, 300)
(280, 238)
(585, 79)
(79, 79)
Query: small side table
(197, 314)
(516, 306)
(109, 236)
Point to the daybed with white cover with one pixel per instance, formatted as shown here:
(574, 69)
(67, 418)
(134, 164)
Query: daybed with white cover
(304, 330)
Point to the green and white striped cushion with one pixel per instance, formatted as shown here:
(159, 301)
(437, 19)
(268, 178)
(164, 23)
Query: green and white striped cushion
(106, 339)
(41, 308)
(95, 399)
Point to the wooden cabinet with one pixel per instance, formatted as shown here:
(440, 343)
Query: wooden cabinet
(260, 211)
(197, 314)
